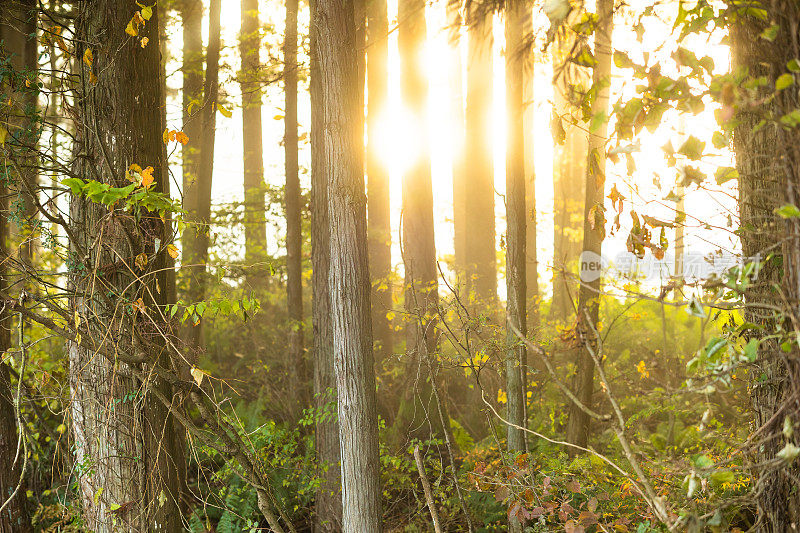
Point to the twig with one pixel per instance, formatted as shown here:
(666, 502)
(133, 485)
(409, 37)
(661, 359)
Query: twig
(426, 487)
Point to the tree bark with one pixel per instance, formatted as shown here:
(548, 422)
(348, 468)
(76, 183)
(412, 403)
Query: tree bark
(455, 83)
(569, 171)
(768, 163)
(15, 515)
(593, 232)
(328, 504)
(378, 206)
(18, 22)
(480, 246)
(124, 439)
(197, 235)
(349, 288)
(255, 224)
(292, 204)
(516, 257)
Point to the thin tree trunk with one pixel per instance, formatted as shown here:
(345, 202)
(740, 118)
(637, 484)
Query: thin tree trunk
(479, 183)
(18, 21)
(15, 516)
(255, 224)
(569, 172)
(193, 74)
(378, 206)
(292, 204)
(328, 504)
(418, 407)
(14, 43)
(338, 50)
(528, 126)
(455, 83)
(196, 237)
(123, 433)
(516, 242)
(768, 162)
(593, 230)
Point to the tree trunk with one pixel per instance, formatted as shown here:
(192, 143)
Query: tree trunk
(255, 224)
(419, 408)
(193, 73)
(124, 440)
(328, 504)
(569, 173)
(349, 288)
(455, 83)
(18, 30)
(378, 206)
(528, 126)
(197, 235)
(516, 257)
(768, 163)
(292, 204)
(593, 233)
(15, 516)
(480, 246)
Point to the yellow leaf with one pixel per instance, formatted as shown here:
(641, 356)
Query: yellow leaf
(182, 138)
(132, 30)
(144, 42)
(3, 135)
(147, 177)
(77, 319)
(147, 12)
(172, 250)
(92, 78)
(134, 167)
(165, 135)
(191, 106)
(141, 261)
(501, 396)
(88, 57)
(224, 112)
(197, 375)
(78, 338)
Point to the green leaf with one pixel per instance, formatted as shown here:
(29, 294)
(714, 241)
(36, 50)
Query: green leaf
(703, 461)
(770, 33)
(751, 350)
(76, 185)
(719, 140)
(793, 65)
(722, 476)
(788, 211)
(784, 80)
(692, 148)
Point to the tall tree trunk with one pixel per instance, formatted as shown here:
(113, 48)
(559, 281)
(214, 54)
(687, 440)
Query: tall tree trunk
(455, 84)
(197, 235)
(255, 224)
(378, 207)
(479, 193)
(193, 73)
(15, 515)
(569, 172)
(593, 230)
(768, 162)
(532, 297)
(292, 203)
(349, 288)
(418, 408)
(18, 29)
(122, 434)
(516, 257)
(328, 504)
(17, 22)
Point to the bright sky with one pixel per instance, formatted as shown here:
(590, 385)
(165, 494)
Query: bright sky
(646, 188)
